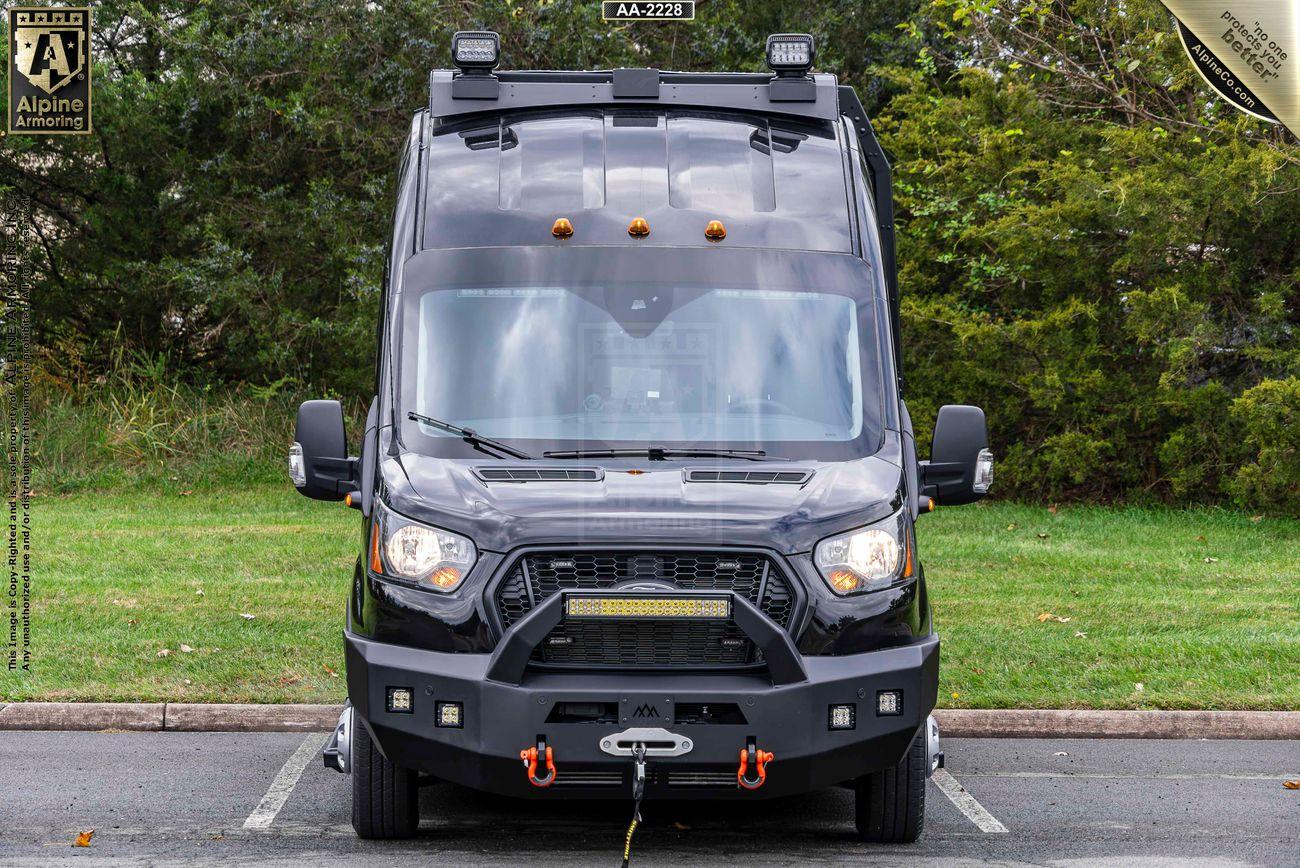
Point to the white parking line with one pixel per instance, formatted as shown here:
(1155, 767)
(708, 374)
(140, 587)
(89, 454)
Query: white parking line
(278, 793)
(1098, 776)
(966, 803)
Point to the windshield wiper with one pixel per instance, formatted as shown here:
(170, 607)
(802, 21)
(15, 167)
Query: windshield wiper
(469, 435)
(660, 453)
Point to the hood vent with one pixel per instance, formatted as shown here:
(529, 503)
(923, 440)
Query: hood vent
(540, 474)
(751, 477)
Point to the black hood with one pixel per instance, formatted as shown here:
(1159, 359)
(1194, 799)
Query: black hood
(654, 503)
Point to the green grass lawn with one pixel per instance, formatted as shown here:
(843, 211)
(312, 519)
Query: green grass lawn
(1199, 608)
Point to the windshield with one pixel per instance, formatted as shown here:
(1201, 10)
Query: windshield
(636, 362)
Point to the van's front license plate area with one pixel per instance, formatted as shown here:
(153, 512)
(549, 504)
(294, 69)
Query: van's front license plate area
(615, 10)
(653, 710)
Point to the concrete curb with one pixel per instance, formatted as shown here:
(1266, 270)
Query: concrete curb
(191, 717)
(1052, 723)
(953, 723)
(128, 716)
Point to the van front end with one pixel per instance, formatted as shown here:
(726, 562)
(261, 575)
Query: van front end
(702, 736)
(601, 662)
(638, 488)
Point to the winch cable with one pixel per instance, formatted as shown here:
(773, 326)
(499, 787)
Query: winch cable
(638, 790)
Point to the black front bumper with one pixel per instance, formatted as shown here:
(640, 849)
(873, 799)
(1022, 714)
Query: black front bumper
(507, 706)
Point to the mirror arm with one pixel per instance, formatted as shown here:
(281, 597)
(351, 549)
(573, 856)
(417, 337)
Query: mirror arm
(927, 488)
(936, 474)
(344, 472)
(939, 472)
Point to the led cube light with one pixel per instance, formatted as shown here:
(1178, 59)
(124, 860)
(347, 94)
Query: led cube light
(889, 703)
(401, 700)
(449, 715)
(843, 717)
(711, 608)
(790, 53)
(475, 49)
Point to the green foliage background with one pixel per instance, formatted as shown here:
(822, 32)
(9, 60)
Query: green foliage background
(1091, 246)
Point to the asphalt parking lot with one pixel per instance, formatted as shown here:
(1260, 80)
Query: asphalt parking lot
(167, 798)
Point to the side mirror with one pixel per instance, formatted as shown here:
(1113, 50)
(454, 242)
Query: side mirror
(319, 465)
(960, 469)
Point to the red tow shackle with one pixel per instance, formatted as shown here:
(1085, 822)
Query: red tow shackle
(531, 755)
(752, 773)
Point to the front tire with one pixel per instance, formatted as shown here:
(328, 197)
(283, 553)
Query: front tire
(890, 803)
(385, 797)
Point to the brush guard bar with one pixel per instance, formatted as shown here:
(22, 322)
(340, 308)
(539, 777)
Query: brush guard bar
(510, 660)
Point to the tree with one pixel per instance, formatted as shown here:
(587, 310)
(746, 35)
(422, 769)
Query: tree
(1099, 252)
(229, 212)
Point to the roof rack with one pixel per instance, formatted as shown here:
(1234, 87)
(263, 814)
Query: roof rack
(452, 94)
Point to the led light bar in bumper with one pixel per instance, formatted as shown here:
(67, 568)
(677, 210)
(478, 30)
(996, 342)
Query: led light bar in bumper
(707, 608)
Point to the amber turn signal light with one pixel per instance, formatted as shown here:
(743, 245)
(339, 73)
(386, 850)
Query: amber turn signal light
(638, 228)
(715, 231)
(445, 577)
(376, 565)
(562, 228)
(845, 581)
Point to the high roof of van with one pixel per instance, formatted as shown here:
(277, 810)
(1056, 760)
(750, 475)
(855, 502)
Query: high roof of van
(502, 175)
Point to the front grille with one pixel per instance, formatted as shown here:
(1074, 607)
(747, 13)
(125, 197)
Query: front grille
(647, 643)
(537, 576)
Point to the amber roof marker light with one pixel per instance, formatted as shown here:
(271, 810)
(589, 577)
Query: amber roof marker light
(638, 228)
(562, 228)
(715, 231)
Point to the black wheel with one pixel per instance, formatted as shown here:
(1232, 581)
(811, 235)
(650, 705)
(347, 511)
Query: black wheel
(385, 797)
(890, 806)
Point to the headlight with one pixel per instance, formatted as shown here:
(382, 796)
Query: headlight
(870, 559)
(434, 558)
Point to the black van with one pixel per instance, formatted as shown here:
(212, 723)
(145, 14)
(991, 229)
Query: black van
(638, 485)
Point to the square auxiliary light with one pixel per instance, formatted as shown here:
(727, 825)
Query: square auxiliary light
(665, 606)
(790, 53)
(449, 715)
(843, 717)
(889, 703)
(475, 49)
(400, 700)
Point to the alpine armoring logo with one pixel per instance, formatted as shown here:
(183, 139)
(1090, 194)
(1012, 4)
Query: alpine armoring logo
(49, 71)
